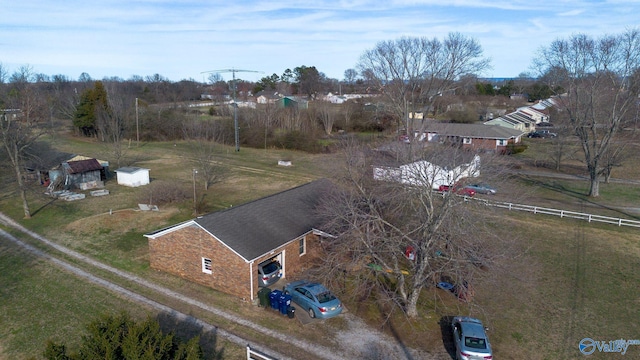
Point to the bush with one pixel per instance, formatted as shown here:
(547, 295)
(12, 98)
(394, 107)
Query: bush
(516, 148)
(162, 192)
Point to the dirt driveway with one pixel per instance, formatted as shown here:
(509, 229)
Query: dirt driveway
(355, 341)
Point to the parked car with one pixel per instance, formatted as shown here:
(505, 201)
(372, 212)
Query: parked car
(470, 339)
(269, 272)
(457, 189)
(314, 298)
(482, 188)
(541, 134)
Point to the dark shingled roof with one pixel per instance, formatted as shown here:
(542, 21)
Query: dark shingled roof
(256, 228)
(472, 130)
(78, 167)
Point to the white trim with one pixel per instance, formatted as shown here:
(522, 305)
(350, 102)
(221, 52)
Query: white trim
(171, 229)
(251, 279)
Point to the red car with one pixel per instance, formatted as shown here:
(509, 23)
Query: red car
(458, 190)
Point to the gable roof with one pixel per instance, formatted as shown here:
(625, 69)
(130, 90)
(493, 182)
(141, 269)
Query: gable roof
(472, 130)
(258, 227)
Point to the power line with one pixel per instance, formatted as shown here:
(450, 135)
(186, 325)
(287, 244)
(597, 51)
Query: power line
(235, 104)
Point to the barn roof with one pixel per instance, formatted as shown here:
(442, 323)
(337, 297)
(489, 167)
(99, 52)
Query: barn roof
(81, 166)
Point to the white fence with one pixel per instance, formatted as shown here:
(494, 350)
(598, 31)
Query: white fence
(564, 213)
(253, 354)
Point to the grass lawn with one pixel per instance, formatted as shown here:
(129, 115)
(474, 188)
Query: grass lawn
(560, 281)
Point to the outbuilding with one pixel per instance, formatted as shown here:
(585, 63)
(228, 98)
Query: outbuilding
(132, 176)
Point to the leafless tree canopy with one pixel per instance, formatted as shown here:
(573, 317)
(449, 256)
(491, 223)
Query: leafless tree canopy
(597, 85)
(411, 71)
(378, 223)
(22, 109)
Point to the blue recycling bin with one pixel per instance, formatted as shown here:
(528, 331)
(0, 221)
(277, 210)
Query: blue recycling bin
(285, 302)
(274, 299)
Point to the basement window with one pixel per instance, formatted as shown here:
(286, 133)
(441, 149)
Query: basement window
(206, 266)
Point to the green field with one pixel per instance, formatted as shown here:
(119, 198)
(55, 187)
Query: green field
(557, 280)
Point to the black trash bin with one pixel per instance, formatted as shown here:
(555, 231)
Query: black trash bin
(291, 312)
(263, 296)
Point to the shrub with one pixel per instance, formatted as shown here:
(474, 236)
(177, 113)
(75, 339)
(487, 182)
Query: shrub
(162, 192)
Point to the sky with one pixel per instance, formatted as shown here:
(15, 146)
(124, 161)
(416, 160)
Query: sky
(186, 39)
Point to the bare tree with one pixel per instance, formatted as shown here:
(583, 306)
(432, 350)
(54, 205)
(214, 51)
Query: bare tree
(614, 157)
(412, 71)
(597, 86)
(395, 239)
(112, 121)
(19, 129)
(204, 139)
(327, 114)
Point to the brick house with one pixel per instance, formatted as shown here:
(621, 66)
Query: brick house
(223, 249)
(474, 137)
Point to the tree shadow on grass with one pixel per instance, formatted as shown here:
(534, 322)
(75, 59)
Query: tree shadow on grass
(189, 328)
(580, 196)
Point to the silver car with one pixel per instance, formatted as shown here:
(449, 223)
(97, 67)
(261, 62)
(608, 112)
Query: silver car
(470, 339)
(269, 272)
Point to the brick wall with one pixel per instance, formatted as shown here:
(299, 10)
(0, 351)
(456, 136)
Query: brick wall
(180, 253)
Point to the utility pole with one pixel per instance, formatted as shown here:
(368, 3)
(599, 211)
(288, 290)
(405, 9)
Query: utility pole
(195, 203)
(235, 104)
(137, 126)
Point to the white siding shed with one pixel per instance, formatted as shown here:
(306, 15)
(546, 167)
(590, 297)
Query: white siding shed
(132, 176)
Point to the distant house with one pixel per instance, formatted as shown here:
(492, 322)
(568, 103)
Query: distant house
(132, 176)
(334, 99)
(267, 97)
(223, 249)
(515, 120)
(446, 169)
(474, 137)
(291, 102)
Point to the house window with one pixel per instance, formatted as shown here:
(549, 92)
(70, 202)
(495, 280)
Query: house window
(502, 142)
(466, 140)
(302, 249)
(206, 266)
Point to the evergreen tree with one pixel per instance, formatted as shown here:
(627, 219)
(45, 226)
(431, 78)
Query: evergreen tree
(91, 100)
(121, 338)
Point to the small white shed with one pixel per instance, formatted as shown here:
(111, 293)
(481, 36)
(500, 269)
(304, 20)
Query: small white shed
(132, 176)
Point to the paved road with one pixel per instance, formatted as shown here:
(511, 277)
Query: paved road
(356, 342)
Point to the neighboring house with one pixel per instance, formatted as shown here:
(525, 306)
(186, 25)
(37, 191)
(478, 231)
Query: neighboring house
(132, 176)
(222, 250)
(545, 104)
(292, 102)
(334, 99)
(515, 120)
(446, 169)
(538, 116)
(267, 97)
(474, 137)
